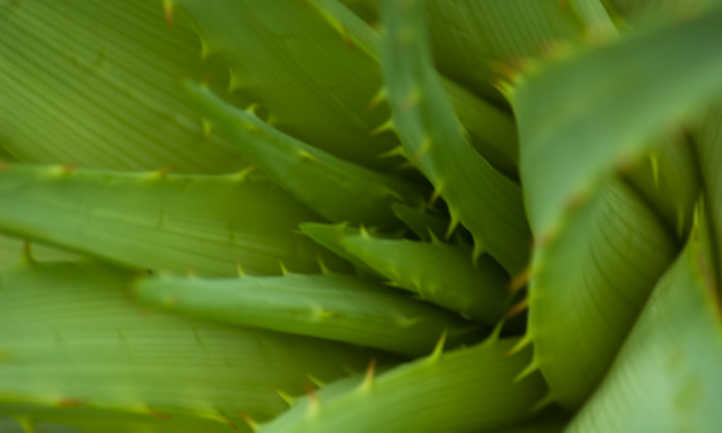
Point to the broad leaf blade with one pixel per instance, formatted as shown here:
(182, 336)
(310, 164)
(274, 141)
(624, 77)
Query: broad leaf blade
(95, 83)
(180, 223)
(467, 390)
(588, 285)
(666, 377)
(75, 347)
(581, 118)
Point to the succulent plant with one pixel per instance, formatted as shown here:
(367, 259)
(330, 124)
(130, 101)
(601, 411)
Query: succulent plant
(384, 216)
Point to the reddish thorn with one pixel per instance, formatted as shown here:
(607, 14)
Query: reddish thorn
(168, 12)
(69, 168)
(517, 308)
(164, 171)
(70, 402)
(158, 414)
(519, 280)
(249, 421)
(311, 392)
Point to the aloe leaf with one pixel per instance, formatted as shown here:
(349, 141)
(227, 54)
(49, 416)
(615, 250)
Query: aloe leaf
(74, 347)
(666, 377)
(316, 178)
(492, 131)
(90, 83)
(436, 272)
(587, 287)
(180, 223)
(283, 56)
(482, 199)
(334, 307)
(467, 390)
(422, 223)
(668, 178)
(582, 100)
(501, 33)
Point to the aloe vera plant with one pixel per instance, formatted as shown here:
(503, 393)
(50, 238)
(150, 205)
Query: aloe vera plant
(469, 216)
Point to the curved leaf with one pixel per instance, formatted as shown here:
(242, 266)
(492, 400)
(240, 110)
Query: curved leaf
(464, 391)
(482, 199)
(666, 377)
(501, 33)
(578, 120)
(284, 57)
(438, 273)
(587, 286)
(316, 178)
(492, 131)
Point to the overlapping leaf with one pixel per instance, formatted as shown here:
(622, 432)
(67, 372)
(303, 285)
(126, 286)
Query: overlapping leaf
(581, 118)
(482, 199)
(587, 286)
(465, 391)
(666, 377)
(180, 223)
(334, 307)
(74, 347)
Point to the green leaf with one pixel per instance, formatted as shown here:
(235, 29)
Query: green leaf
(316, 178)
(464, 391)
(90, 83)
(283, 56)
(437, 272)
(588, 285)
(180, 223)
(75, 348)
(492, 131)
(666, 377)
(581, 118)
(335, 307)
(482, 199)
(475, 42)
